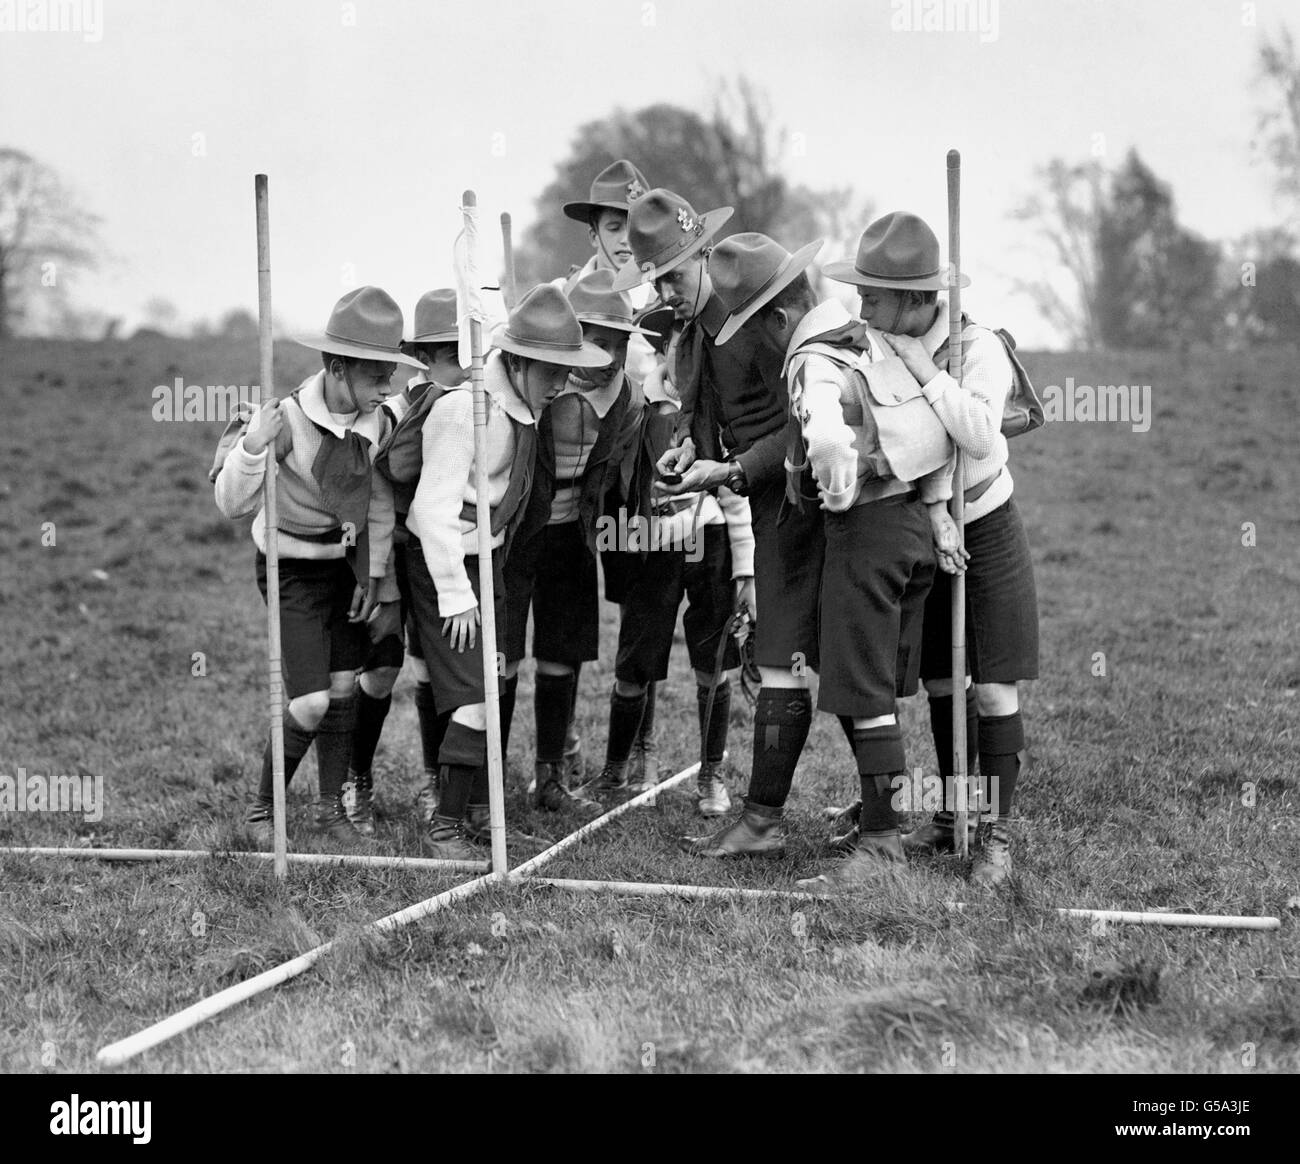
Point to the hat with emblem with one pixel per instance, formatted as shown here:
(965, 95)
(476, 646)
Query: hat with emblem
(663, 231)
(616, 187)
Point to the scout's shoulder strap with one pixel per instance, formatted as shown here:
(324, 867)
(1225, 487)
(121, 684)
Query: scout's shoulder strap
(1023, 411)
(401, 452)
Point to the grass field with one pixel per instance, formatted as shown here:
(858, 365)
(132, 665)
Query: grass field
(1166, 782)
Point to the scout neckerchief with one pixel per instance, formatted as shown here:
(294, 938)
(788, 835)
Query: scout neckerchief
(851, 336)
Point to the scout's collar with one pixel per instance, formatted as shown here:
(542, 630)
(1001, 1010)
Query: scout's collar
(311, 399)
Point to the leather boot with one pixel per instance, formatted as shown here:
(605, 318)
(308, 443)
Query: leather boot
(937, 836)
(552, 796)
(992, 864)
(445, 841)
(711, 790)
(759, 832)
(259, 820)
(644, 770)
(612, 781)
(359, 802)
(332, 822)
(427, 798)
(877, 856)
(575, 767)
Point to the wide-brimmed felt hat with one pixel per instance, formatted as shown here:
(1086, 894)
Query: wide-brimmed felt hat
(365, 324)
(899, 252)
(749, 270)
(544, 327)
(435, 317)
(659, 318)
(616, 187)
(595, 301)
(663, 230)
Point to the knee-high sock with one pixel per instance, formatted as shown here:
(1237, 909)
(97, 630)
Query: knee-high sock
(941, 730)
(625, 715)
(433, 728)
(509, 688)
(297, 739)
(880, 756)
(1001, 739)
(782, 718)
(334, 745)
(715, 743)
(570, 730)
(553, 694)
(463, 764)
(371, 713)
(646, 730)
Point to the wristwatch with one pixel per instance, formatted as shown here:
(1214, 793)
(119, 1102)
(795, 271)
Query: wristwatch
(735, 479)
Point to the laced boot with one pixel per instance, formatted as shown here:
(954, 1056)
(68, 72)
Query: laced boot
(359, 802)
(992, 864)
(552, 796)
(877, 856)
(759, 832)
(332, 822)
(445, 840)
(259, 820)
(612, 781)
(937, 836)
(711, 791)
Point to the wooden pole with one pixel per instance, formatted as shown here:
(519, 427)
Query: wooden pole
(958, 509)
(364, 861)
(275, 676)
(483, 517)
(509, 288)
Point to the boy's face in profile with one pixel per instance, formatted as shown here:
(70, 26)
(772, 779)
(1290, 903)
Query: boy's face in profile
(608, 234)
(371, 382)
(539, 382)
(608, 339)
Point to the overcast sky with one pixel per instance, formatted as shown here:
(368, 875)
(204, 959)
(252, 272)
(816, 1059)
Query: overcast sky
(371, 117)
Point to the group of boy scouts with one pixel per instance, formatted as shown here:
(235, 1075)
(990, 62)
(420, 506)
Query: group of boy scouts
(794, 463)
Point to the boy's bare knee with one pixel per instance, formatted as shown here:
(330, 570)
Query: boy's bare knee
(342, 684)
(629, 690)
(783, 677)
(310, 709)
(994, 699)
(544, 668)
(379, 683)
(419, 670)
(472, 716)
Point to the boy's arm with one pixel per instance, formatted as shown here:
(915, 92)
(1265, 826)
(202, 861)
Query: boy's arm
(238, 487)
(740, 532)
(381, 519)
(815, 401)
(972, 410)
(448, 462)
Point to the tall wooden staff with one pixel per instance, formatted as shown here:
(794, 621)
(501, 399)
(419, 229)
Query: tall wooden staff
(509, 288)
(470, 311)
(276, 680)
(958, 510)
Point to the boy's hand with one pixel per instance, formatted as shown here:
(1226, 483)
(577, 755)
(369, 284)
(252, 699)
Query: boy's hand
(951, 553)
(386, 620)
(677, 459)
(745, 592)
(700, 475)
(462, 629)
(912, 352)
(363, 601)
(264, 427)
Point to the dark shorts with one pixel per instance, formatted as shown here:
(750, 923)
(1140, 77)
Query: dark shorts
(1001, 605)
(654, 595)
(879, 567)
(315, 635)
(788, 549)
(554, 575)
(455, 676)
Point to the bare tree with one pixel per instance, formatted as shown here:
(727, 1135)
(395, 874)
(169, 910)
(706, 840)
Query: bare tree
(1279, 123)
(44, 235)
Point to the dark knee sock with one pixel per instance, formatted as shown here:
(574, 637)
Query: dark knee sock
(1001, 738)
(573, 703)
(371, 713)
(625, 714)
(462, 760)
(941, 730)
(297, 739)
(433, 727)
(553, 695)
(508, 688)
(880, 756)
(782, 717)
(334, 745)
(715, 740)
(646, 729)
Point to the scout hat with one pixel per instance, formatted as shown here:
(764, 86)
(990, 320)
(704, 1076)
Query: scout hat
(365, 324)
(544, 327)
(749, 270)
(616, 187)
(435, 317)
(663, 230)
(898, 251)
(594, 300)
